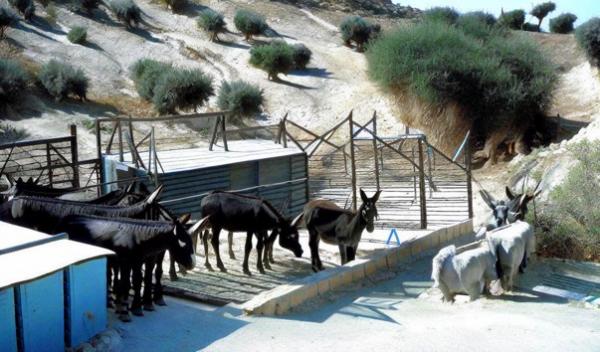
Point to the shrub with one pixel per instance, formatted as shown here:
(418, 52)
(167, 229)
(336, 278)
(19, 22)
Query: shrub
(13, 81)
(9, 134)
(479, 16)
(542, 10)
(249, 23)
(588, 36)
(494, 80)
(61, 79)
(145, 74)
(174, 5)
(77, 35)
(530, 27)
(512, 19)
(181, 89)
(242, 98)
(358, 30)
(25, 7)
(51, 14)
(127, 12)
(572, 220)
(563, 23)
(445, 14)
(212, 22)
(274, 58)
(85, 6)
(6, 20)
(302, 56)
(478, 24)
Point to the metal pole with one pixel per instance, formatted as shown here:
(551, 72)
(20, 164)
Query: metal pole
(422, 187)
(75, 156)
(352, 161)
(469, 178)
(375, 154)
(99, 153)
(49, 164)
(120, 129)
(224, 131)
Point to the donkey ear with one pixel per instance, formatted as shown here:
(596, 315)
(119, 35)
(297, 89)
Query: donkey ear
(487, 199)
(11, 180)
(130, 188)
(199, 225)
(37, 180)
(363, 196)
(152, 197)
(376, 196)
(509, 194)
(523, 200)
(183, 219)
(296, 221)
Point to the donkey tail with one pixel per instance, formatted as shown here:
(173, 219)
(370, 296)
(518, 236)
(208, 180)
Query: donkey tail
(438, 262)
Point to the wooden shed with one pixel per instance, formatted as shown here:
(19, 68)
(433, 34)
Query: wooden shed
(252, 166)
(52, 291)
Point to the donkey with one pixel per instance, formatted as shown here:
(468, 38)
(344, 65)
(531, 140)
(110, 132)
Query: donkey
(31, 187)
(334, 225)
(510, 243)
(253, 215)
(134, 241)
(518, 201)
(468, 272)
(45, 214)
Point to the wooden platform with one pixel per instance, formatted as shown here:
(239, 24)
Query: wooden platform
(240, 151)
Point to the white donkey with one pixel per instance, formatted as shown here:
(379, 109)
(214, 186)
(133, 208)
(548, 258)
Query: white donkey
(513, 244)
(468, 272)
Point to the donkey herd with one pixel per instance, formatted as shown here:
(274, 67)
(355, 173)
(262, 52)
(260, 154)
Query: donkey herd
(131, 222)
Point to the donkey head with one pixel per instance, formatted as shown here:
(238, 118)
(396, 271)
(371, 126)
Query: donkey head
(368, 210)
(518, 202)
(182, 248)
(289, 238)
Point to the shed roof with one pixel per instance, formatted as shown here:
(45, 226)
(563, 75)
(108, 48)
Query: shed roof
(26, 255)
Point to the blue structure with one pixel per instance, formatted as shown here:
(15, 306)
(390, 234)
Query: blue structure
(55, 296)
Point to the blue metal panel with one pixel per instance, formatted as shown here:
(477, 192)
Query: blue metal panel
(40, 312)
(8, 327)
(86, 314)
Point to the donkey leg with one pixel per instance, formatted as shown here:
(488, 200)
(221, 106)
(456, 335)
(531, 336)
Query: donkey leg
(215, 244)
(313, 243)
(136, 304)
(230, 244)
(110, 284)
(205, 243)
(247, 249)
(351, 253)
(151, 265)
(260, 244)
(123, 291)
(158, 289)
(343, 254)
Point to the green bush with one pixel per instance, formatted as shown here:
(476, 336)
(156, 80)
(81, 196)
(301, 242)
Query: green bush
(7, 18)
(175, 5)
(573, 229)
(479, 16)
(588, 36)
(563, 23)
(478, 24)
(445, 14)
(9, 134)
(13, 81)
(249, 23)
(181, 89)
(127, 12)
(356, 29)
(494, 80)
(77, 35)
(145, 74)
(302, 56)
(512, 19)
(542, 10)
(212, 22)
(85, 6)
(274, 58)
(530, 27)
(242, 98)
(61, 79)
(25, 7)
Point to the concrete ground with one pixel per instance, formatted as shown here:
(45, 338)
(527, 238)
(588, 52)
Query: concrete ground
(397, 311)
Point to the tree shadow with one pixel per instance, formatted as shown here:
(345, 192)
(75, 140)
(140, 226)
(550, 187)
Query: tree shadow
(147, 35)
(46, 26)
(32, 30)
(13, 42)
(270, 32)
(103, 18)
(292, 84)
(311, 71)
(191, 9)
(233, 44)
(93, 46)
(41, 102)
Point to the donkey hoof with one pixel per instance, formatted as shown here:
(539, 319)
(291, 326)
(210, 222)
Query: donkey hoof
(222, 268)
(261, 270)
(208, 267)
(173, 276)
(232, 256)
(247, 272)
(267, 265)
(149, 307)
(125, 317)
(160, 302)
(137, 311)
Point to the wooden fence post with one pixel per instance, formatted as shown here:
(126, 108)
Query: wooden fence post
(49, 165)
(284, 130)
(469, 177)
(75, 156)
(99, 152)
(375, 154)
(224, 132)
(120, 129)
(422, 196)
(352, 160)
